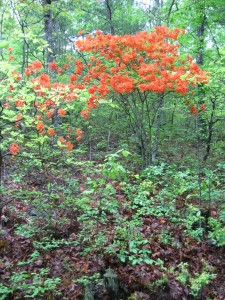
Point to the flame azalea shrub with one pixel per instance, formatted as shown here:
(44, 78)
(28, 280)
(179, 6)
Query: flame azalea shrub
(35, 110)
(134, 69)
(138, 71)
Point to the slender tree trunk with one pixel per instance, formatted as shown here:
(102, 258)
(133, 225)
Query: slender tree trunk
(200, 32)
(210, 131)
(157, 132)
(25, 49)
(109, 16)
(169, 12)
(156, 11)
(49, 29)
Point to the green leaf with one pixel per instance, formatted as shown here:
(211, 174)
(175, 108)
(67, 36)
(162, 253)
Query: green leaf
(4, 44)
(148, 261)
(183, 77)
(122, 257)
(126, 153)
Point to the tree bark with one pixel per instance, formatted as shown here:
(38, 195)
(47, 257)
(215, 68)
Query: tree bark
(109, 16)
(49, 26)
(200, 34)
(157, 132)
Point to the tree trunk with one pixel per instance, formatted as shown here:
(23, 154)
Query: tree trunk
(200, 33)
(210, 132)
(157, 132)
(109, 16)
(156, 12)
(49, 26)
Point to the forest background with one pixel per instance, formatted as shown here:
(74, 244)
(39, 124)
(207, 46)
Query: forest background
(112, 149)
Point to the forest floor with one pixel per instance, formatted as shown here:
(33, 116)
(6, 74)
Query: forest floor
(54, 247)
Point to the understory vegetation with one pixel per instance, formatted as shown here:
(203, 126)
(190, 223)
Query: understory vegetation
(76, 229)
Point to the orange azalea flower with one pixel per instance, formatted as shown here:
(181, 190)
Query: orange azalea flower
(80, 32)
(69, 146)
(19, 103)
(11, 57)
(203, 108)
(61, 140)
(14, 148)
(79, 86)
(51, 131)
(44, 80)
(79, 131)
(193, 110)
(84, 114)
(61, 112)
(18, 117)
(73, 78)
(98, 32)
(40, 126)
(71, 96)
(92, 89)
(49, 102)
(37, 65)
(79, 67)
(53, 66)
(28, 72)
(49, 114)
(17, 76)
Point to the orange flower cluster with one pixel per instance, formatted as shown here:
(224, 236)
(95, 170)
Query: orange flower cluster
(79, 133)
(51, 131)
(81, 32)
(195, 111)
(79, 67)
(43, 81)
(33, 68)
(49, 113)
(61, 112)
(67, 92)
(14, 149)
(47, 97)
(53, 66)
(19, 117)
(73, 78)
(202, 106)
(65, 144)
(19, 102)
(17, 76)
(40, 126)
(145, 62)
